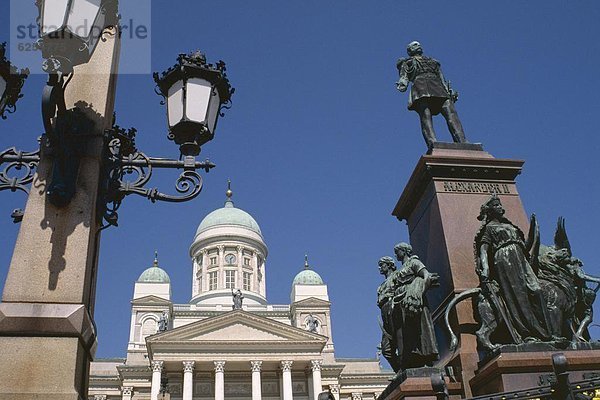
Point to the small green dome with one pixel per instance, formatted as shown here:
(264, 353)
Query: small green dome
(307, 276)
(229, 215)
(154, 274)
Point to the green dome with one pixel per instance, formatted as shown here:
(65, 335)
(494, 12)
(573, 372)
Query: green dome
(307, 276)
(154, 274)
(229, 215)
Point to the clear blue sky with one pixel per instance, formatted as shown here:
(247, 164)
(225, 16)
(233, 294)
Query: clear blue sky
(319, 144)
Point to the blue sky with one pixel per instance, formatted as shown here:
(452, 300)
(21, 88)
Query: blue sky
(319, 144)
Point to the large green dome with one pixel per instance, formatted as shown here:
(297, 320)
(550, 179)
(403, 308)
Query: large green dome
(154, 274)
(307, 276)
(229, 215)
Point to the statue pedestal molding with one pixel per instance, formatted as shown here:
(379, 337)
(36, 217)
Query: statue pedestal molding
(47, 334)
(518, 369)
(440, 203)
(415, 383)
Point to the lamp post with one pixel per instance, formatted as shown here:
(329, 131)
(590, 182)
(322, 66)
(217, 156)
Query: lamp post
(11, 82)
(83, 171)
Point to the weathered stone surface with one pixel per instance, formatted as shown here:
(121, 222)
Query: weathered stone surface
(36, 368)
(55, 256)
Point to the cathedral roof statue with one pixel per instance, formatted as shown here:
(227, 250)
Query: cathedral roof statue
(229, 215)
(154, 274)
(307, 276)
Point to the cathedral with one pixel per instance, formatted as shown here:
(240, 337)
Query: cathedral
(228, 341)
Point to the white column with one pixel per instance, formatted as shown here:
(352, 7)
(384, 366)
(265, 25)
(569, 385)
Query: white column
(221, 258)
(219, 380)
(188, 380)
(316, 378)
(127, 392)
(256, 384)
(157, 367)
(286, 368)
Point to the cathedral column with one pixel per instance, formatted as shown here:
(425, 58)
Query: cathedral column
(316, 378)
(188, 380)
(239, 280)
(127, 392)
(204, 283)
(286, 368)
(219, 380)
(157, 367)
(256, 384)
(335, 391)
(221, 277)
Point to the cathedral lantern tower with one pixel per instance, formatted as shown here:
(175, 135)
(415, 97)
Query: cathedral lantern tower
(228, 253)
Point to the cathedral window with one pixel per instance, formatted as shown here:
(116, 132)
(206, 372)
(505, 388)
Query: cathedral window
(247, 276)
(212, 280)
(213, 261)
(246, 261)
(200, 283)
(229, 279)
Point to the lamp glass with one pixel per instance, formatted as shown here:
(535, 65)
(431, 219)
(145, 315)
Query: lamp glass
(82, 17)
(175, 103)
(198, 99)
(2, 87)
(53, 18)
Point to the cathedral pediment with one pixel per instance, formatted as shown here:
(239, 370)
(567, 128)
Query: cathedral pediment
(237, 331)
(312, 302)
(150, 300)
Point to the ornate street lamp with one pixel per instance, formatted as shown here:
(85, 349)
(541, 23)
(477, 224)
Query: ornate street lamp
(11, 82)
(70, 30)
(195, 93)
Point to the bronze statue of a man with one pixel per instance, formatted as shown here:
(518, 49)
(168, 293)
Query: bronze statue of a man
(430, 93)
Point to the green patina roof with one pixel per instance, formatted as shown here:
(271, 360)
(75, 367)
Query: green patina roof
(154, 274)
(307, 276)
(229, 215)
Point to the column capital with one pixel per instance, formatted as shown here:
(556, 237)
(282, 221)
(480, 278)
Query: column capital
(356, 396)
(188, 366)
(334, 388)
(127, 390)
(316, 364)
(100, 397)
(286, 366)
(256, 365)
(157, 366)
(219, 366)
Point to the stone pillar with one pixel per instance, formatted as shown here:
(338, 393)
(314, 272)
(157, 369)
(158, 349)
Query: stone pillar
(286, 368)
(256, 383)
(157, 367)
(50, 287)
(127, 392)
(188, 379)
(219, 380)
(316, 378)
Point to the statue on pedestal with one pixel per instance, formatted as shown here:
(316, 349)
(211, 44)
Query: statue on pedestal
(238, 298)
(163, 322)
(408, 339)
(430, 94)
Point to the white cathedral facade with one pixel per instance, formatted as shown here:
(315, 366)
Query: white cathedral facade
(206, 350)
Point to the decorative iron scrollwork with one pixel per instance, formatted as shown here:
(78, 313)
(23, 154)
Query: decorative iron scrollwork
(14, 80)
(128, 171)
(20, 169)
